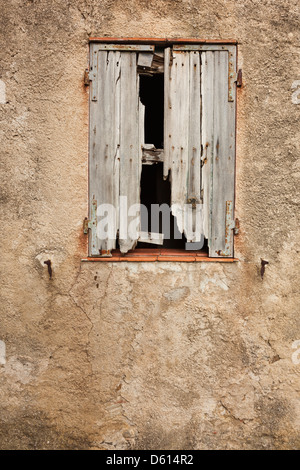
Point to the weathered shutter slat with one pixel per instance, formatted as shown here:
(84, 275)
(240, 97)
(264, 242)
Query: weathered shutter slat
(194, 143)
(207, 83)
(145, 59)
(219, 149)
(179, 131)
(130, 152)
(167, 110)
(141, 127)
(194, 186)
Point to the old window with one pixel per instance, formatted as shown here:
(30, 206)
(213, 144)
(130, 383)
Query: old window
(162, 146)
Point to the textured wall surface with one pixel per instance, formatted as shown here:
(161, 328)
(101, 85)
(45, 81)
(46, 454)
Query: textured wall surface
(151, 355)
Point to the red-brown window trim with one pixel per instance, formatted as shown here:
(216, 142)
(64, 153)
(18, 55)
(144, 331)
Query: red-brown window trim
(159, 254)
(162, 41)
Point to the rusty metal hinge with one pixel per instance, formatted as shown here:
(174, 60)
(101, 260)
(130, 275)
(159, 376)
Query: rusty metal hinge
(86, 77)
(91, 224)
(236, 226)
(87, 224)
(236, 78)
(239, 78)
(193, 201)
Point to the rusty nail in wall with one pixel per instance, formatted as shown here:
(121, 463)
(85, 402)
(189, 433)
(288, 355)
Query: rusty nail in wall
(262, 268)
(48, 263)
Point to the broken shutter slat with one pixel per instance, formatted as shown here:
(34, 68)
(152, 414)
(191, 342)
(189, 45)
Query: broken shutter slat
(152, 238)
(219, 135)
(167, 110)
(145, 59)
(104, 147)
(141, 126)
(130, 153)
(152, 155)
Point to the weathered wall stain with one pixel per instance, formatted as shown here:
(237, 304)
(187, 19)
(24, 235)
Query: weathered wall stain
(2, 92)
(2, 353)
(150, 355)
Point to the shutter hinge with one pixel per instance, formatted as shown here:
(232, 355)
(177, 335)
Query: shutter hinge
(236, 78)
(235, 226)
(87, 224)
(239, 78)
(86, 77)
(194, 201)
(89, 76)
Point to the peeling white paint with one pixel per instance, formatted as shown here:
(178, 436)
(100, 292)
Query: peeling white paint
(204, 285)
(296, 354)
(296, 93)
(175, 295)
(2, 353)
(56, 257)
(24, 369)
(2, 92)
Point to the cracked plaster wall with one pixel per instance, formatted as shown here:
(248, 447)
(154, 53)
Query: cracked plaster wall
(149, 355)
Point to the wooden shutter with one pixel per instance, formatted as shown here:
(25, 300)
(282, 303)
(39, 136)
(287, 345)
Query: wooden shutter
(182, 142)
(200, 120)
(115, 141)
(218, 141)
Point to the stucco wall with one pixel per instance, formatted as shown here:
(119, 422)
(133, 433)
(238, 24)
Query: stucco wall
(151, 355)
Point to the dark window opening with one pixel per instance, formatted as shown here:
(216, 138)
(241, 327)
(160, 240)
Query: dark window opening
(155, 190)
(152, 97)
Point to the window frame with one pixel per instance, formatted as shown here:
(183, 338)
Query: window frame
(164, 254)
